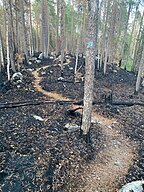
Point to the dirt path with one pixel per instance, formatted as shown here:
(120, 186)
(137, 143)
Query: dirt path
(54, 96)
(113, 162)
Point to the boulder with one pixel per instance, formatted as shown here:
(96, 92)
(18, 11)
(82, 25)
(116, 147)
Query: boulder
(17, 78)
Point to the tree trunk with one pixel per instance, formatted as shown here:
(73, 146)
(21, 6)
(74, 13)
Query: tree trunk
(45, 28)
(62, 32)
(137, 44)
(90, 66)
(105, 41)
(7, 40)
(72, 28)
(101, 49)
(100, 40)
(125, 31)
(17, 28)
(79, 26)
(141, 68)
(57, 29)
(37, 33)
(31, 31)
(129, 53)
(112, 32)
(1, 51)
(24, 29)
(84, 26)
(118, 30)
(11, 35)
(12, 26)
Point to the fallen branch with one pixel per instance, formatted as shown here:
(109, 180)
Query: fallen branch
(114, 102)
(127, 103)
(94, 102)
(28, 103)
(63, 102)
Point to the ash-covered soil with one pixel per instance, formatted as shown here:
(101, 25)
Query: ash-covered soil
(39, 155)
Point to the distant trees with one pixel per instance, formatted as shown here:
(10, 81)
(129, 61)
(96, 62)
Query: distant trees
(46, 25)
(43, 25)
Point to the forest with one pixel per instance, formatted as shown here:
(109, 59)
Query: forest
(72, 95)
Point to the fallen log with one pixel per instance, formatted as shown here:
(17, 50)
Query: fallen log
(127, 103)
(94, 102)
(63, 102)
(113, 102)
(28, 103)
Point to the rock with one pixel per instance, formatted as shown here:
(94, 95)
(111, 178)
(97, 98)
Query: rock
(51, 57)
(117, 163)
(38, 61)
(38, 118)
(51, 72)
(71, 127)
(67, 56)
(30, 70)
(40, 56)
(43, 72)
(18, 86)
(17, 78)
(32, 59)
(60, 79)
(135, 186)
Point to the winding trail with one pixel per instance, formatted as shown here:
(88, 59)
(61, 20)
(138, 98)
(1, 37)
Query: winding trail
(54, 96)
(113, 161)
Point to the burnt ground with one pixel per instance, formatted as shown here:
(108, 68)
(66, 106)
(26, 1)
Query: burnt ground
(40, 155)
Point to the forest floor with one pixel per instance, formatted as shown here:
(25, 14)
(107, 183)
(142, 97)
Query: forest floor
(38, 153)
